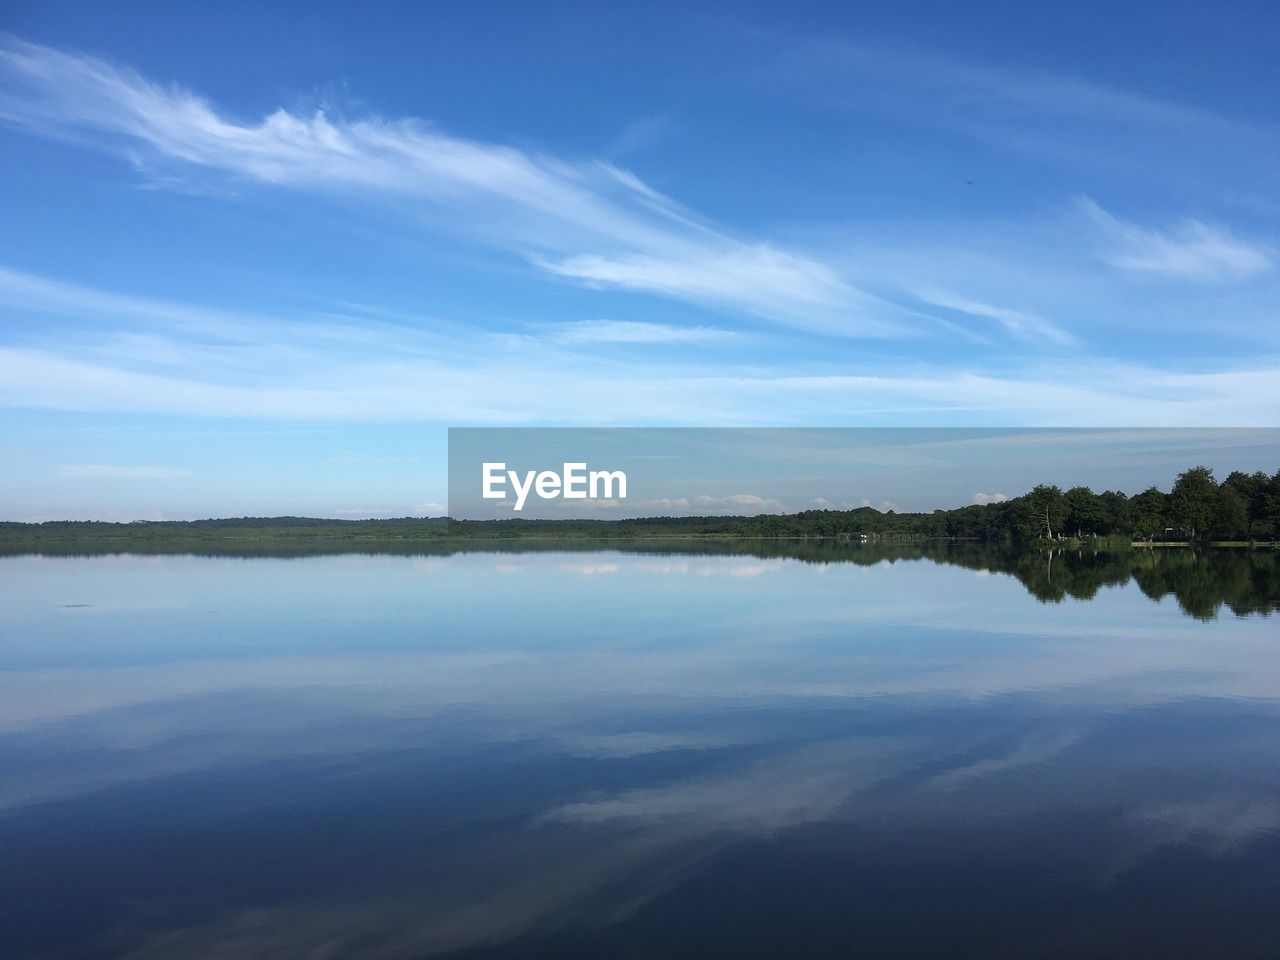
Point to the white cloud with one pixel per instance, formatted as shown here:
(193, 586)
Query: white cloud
(1021, 324)
(507, 390)
(382, 513)
(630, 331)
(223, 365)
(758, 278)
(988, 498)
(103, 516)
(1193, 250)
(105, 471)
(737, 504)
(823, 503)
(583, 220)
(884, 506)
(748, 503)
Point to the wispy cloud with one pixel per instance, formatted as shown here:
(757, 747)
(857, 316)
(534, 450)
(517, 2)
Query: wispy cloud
(1104, 395)
(31, 293)
(583, 220)
(757, 278)
(1060, 118)
(295, 370)
(642, 133)
(1020, 324)
(1191, 249)
(105, 471)
(993, 88)
(630, 331)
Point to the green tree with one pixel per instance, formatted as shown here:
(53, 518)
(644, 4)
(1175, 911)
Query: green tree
(1117, 505)
(1252, 490)
(1268, 518)
(1231, 517)
(1086, 512)
(1193, 502)
(1147, 513)
(1043, 511)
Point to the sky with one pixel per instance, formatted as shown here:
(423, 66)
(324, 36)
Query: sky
(260, 258)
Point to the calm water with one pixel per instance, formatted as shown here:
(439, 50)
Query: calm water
(812, 751)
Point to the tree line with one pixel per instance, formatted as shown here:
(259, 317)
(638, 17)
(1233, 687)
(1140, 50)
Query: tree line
(1244, 506)
(1198, 508)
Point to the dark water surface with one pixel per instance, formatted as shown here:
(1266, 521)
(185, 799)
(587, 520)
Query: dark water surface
(803, 751)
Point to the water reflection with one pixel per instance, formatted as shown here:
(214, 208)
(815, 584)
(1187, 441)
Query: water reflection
(815, 750)
(1246, 581)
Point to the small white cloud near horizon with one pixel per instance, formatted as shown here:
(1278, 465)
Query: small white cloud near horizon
(1193, 249)
(429, 509)
(822, 503)
(984, 498)
(99, 516)
(735, 504)
(106, 471)
(740, 501)
(884, 506)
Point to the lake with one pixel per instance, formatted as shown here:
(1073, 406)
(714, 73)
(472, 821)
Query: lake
(772, 750)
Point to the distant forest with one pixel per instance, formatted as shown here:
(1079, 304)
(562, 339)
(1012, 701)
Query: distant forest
(1198, 508)
(1242, 507)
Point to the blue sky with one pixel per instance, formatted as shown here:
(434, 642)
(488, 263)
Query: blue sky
(259, 260)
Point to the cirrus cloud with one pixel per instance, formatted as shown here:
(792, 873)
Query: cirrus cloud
(106, 471)
(582, 220)
(1192, 249)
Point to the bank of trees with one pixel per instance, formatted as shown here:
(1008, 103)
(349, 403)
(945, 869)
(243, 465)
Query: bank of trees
(1244, 506)
(1198, 508)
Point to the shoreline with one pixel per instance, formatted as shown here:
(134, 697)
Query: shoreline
(112, 539)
